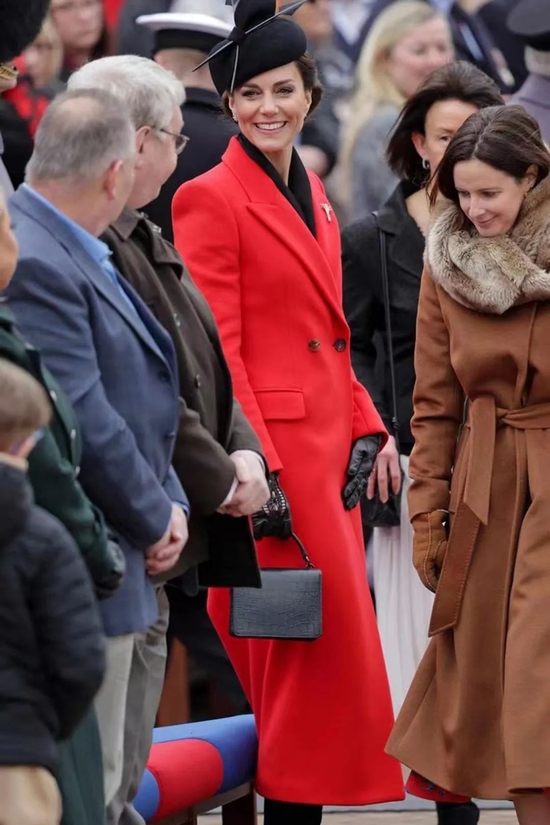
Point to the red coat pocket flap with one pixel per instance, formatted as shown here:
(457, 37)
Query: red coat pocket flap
(281, 404)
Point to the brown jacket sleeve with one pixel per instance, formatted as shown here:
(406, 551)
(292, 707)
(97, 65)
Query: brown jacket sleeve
(438, 407)
(242, 436)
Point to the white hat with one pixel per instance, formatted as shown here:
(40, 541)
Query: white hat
(190, 30)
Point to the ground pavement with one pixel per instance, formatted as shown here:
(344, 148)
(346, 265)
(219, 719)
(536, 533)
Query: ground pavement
(400, 818)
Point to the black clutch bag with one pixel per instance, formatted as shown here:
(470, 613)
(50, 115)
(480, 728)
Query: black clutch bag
(374, 512)
(288, 606)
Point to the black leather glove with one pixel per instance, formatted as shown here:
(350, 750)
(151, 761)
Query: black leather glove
(274, 518)
(361, 462)
(111, 579)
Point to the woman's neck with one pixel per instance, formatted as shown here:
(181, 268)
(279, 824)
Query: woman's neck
(418, 207)
(75, 59)
(281, 161)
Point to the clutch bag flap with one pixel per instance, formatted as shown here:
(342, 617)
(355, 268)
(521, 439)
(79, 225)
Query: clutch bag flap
(287, 606)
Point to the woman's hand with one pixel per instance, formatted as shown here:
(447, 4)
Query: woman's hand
(386, 472)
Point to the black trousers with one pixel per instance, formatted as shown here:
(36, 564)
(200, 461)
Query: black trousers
(291, 813)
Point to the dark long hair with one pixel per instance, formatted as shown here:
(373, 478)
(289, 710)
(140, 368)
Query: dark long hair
(504, 137)
(457, 81)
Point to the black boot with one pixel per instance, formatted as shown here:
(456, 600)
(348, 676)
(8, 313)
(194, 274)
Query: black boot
(453, 813)
(290, 813)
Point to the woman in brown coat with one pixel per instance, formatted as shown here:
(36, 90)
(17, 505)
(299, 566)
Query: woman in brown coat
(475, 721)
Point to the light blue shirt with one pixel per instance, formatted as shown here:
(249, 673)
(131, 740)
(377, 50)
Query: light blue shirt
(96, 249)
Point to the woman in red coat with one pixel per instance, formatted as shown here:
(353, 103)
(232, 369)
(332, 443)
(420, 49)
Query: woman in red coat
(263, 244)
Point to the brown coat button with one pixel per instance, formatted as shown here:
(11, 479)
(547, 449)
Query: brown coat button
(340, 345)
(314, 345)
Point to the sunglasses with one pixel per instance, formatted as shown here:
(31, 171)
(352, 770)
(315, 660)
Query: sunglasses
(180, 141)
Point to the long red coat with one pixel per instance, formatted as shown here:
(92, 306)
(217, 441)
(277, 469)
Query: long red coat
(322, 708)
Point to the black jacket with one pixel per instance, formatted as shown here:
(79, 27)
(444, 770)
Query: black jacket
(364, 305)
(51, 641)
(210, 131)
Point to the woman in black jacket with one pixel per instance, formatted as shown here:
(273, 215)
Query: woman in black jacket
(425, 127)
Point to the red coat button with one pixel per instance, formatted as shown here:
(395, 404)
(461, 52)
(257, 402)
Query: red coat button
(314, 345)
(340, 345)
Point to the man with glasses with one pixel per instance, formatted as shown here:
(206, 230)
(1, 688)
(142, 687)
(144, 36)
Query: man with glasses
(182, 39)
(217, 454)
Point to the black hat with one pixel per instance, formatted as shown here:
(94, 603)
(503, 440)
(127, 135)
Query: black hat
(263, 39)
(530, 20)
(201, 32)
(20, 22)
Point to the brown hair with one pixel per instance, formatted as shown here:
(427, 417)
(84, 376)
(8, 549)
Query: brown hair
(310, 77)
(504, 137)
(24, 405)
(458, 81)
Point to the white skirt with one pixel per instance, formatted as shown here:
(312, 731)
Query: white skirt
(403, 604)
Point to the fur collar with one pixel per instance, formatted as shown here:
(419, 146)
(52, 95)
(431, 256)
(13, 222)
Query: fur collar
(494, 274)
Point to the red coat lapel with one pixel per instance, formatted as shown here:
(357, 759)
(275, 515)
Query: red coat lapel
(319, 257)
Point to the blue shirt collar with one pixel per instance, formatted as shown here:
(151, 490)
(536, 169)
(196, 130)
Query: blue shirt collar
(96, 249)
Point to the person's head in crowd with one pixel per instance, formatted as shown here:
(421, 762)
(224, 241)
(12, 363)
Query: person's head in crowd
(316, 20)
(495, 159)
(268, 81)
(81, 27)
(154, 98)
(432, 116)
(20, 22)
(9, 248)
(84, 157)
(43, 59)
(408, 41)
(24, 410)
(530, 21)
(185, 36)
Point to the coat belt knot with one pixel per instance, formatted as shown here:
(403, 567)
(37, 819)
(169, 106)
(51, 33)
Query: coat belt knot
(484, 418)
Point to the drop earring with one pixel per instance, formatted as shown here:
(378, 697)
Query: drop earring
(425, 164)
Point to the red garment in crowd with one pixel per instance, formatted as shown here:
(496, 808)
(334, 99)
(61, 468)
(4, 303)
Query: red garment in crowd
(322, 708)
(112, 9)
(29, 103)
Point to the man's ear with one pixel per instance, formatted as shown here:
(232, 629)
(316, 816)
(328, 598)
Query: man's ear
(111, 179)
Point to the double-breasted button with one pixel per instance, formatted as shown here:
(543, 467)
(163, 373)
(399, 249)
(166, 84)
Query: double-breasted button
(76, 472)
(340, 345)
(53, 396)
(72, 435)
(197, 381)
(314, 345)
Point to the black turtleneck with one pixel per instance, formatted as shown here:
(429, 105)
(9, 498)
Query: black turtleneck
(298, 191)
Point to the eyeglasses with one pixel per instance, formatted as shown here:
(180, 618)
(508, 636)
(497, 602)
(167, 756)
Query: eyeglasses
(180, 141)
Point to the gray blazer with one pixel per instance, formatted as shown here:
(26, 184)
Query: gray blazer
(372, 181)
(118, 369)
(534, 96)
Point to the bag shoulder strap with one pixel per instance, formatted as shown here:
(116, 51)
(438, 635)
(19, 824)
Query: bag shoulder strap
(389, 331)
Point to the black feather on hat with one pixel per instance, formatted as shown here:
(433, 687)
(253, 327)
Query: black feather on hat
(20, 22)
(263, 39)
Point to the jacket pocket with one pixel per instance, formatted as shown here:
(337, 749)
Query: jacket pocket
(282, 405)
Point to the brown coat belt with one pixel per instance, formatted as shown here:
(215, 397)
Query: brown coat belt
(473, 510)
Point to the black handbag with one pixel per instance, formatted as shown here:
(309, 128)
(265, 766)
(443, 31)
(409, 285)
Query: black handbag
(288, 606)
(374, 512)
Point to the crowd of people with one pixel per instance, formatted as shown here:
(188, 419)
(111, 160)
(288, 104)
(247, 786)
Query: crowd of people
(274, 281)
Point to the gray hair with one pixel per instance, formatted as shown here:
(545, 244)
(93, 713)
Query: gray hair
(150, 92)
(80, 136)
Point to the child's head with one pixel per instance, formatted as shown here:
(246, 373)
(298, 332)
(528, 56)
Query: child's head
(24, 410)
